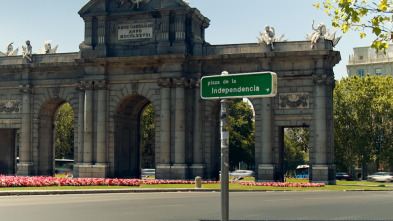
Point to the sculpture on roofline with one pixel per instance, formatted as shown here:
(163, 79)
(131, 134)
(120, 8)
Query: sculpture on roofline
(48, 48)
(10, 51)
(322, 33)
(135, 3)
(27, 51)
(269, 37)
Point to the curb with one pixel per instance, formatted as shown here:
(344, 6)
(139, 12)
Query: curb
(145, 190)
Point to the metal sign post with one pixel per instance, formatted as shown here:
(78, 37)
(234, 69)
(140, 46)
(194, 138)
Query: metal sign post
(224, 86)
(224, 128)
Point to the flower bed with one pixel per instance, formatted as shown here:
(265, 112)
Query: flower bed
(279, 184)
(40, 181)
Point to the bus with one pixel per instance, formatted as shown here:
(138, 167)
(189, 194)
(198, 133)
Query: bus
(302, 172)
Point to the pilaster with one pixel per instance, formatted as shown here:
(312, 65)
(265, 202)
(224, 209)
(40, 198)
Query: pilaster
(197, 168)
(25, 165)
(102, 144)
(165, 121)
(180, 158)
(88, 123)
(79, 148)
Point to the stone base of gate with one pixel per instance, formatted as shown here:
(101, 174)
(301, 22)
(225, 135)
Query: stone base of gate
(176, 171)
(179, 171)
(163, 171)
(323, 174)
(265, 172)
(24, 169)
(90, 170)
(197, 170)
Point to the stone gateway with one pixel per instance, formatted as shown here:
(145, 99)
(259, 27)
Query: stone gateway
(137, 53)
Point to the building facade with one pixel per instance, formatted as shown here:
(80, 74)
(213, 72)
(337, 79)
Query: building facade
(366, 60)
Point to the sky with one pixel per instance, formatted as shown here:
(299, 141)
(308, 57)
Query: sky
(231, 22)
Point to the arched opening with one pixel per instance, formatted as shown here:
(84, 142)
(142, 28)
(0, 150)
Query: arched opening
(147, 138)
(242, 135)
(64, 139)
(129, 137)
(213, 123)
(296, 143)
(56, 131)
(9, 151)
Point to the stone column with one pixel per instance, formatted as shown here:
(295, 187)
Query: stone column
(88, 123)
(165, 121)
(319, 165)
(163, 168)
(163, 36)
(79, 153)
(179, 45)
(197, 167)
(86, 47)
(88, 30)
(266, 168)
(180, 154)
(198, 153)
(102, 123)
(25, 156)
(320, 120)
(101, 30)
(180, 27)
(101, 37)
(179, 167)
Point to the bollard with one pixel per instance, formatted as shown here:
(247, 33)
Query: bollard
(198, 182)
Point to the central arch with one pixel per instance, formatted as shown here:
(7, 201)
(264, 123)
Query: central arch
(127, 136)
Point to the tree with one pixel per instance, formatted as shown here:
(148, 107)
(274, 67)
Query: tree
(359, 15)
(296, 148)
(363, 108)
(64, 132)
(148, 137)
(242, 133)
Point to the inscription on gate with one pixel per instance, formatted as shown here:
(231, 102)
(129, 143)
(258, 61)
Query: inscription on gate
(135, 31)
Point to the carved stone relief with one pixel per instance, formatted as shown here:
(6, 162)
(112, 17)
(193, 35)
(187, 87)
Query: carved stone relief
(10, 106)
(293, 100)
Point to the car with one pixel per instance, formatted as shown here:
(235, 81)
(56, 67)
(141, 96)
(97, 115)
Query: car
(343, 176)
(242, 173)
(148, 172)
(381, 177)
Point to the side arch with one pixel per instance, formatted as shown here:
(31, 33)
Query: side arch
(47, 101)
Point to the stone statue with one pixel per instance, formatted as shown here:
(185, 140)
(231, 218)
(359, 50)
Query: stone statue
(10, 51)
(135, 3)
(269, 37)
(27, 51)
(321, 33)
(48, 48)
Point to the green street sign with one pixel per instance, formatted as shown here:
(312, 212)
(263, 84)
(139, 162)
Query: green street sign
(246, 85)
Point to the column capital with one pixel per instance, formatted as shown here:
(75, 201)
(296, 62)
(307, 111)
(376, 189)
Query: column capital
(102, 85)
(79, 87)
(87, 85)
(180, 82)
(321, 80)
(195, 83)
(26, 88)
(165, 82)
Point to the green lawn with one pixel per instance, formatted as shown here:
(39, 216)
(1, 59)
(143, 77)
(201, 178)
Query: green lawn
(342, 186)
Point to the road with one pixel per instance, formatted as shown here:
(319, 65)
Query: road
(310, 205)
